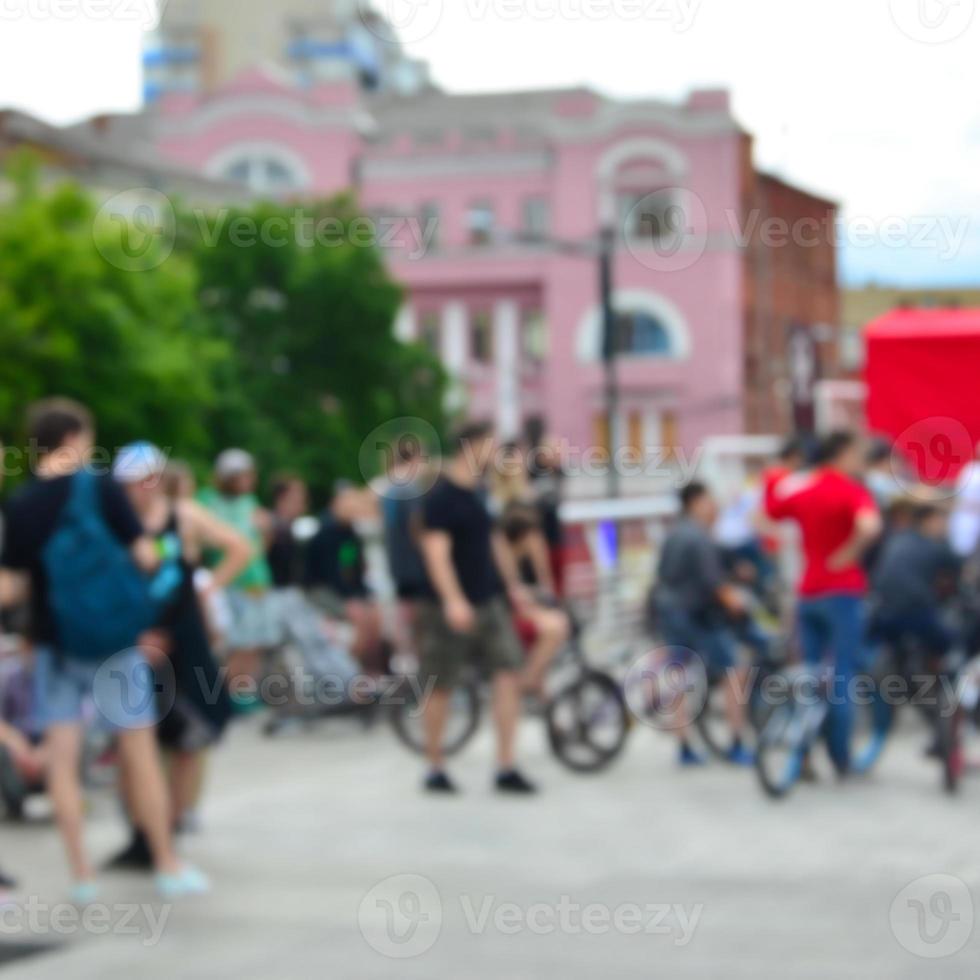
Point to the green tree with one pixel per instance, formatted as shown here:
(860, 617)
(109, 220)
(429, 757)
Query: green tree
(132, 346)
(316, 365)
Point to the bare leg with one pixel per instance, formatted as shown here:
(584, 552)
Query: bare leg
(735, 680)
(552, 628)
(186, 770)
(434, 717)
(507, 714)
(151, 807)
(243, 672)
(63, 744)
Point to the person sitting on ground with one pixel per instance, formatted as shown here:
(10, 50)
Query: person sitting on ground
(66, 503)
(336, 575)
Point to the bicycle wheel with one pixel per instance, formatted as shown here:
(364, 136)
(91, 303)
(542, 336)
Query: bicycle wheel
(782, 748)
(588, 723)
(406, 716)
(712, 720)
(869, 737)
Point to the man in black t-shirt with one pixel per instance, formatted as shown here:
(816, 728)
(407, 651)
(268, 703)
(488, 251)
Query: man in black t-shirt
(464, 610)
(63, 433)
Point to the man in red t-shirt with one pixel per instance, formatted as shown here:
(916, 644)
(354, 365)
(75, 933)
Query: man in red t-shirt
(838, 521)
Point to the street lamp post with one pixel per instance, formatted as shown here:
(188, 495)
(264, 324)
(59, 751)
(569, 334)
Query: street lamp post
(610, 349)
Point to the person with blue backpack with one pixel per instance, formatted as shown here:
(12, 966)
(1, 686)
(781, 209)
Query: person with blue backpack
(74, 543)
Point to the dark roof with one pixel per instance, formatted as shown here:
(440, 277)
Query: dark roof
(91, 143)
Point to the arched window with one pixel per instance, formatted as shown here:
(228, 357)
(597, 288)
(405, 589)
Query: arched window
(641, 334)
(263, 174)
(648, 326)
(263, 167)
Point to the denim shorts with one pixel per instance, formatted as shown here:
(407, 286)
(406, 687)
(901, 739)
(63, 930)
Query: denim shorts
(121, 692)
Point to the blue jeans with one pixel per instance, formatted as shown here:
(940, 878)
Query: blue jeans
(714, 644)
(832, 628)
(922, 626)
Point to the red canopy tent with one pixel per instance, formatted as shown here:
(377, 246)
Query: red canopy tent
(923, 377)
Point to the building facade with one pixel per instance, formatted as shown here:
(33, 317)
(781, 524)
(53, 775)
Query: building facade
(490, 208)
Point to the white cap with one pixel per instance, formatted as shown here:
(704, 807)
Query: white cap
(233, 462)
(137, 462)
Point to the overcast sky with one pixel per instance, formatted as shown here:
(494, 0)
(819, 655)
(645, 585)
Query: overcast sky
(872, 102)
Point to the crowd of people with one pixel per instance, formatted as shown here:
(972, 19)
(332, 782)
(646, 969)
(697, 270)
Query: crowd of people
(146, 605)
(136, 602)
(883, 558)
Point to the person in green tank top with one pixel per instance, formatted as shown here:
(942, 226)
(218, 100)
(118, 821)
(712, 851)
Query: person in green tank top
(254, 621)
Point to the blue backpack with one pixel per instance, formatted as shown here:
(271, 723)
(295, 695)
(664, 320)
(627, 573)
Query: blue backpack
(99, 599)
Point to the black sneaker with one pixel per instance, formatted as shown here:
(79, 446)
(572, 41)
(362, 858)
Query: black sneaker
(513, 782)
(439, 782)
(135, 856)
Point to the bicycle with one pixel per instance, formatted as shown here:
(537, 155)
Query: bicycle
(764, 683)
(784, 753)
(587, 719)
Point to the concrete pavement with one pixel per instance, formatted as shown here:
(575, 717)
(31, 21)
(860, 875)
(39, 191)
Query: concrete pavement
(328, 861)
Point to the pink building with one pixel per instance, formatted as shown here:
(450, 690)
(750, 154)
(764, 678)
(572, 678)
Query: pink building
(490, 207)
